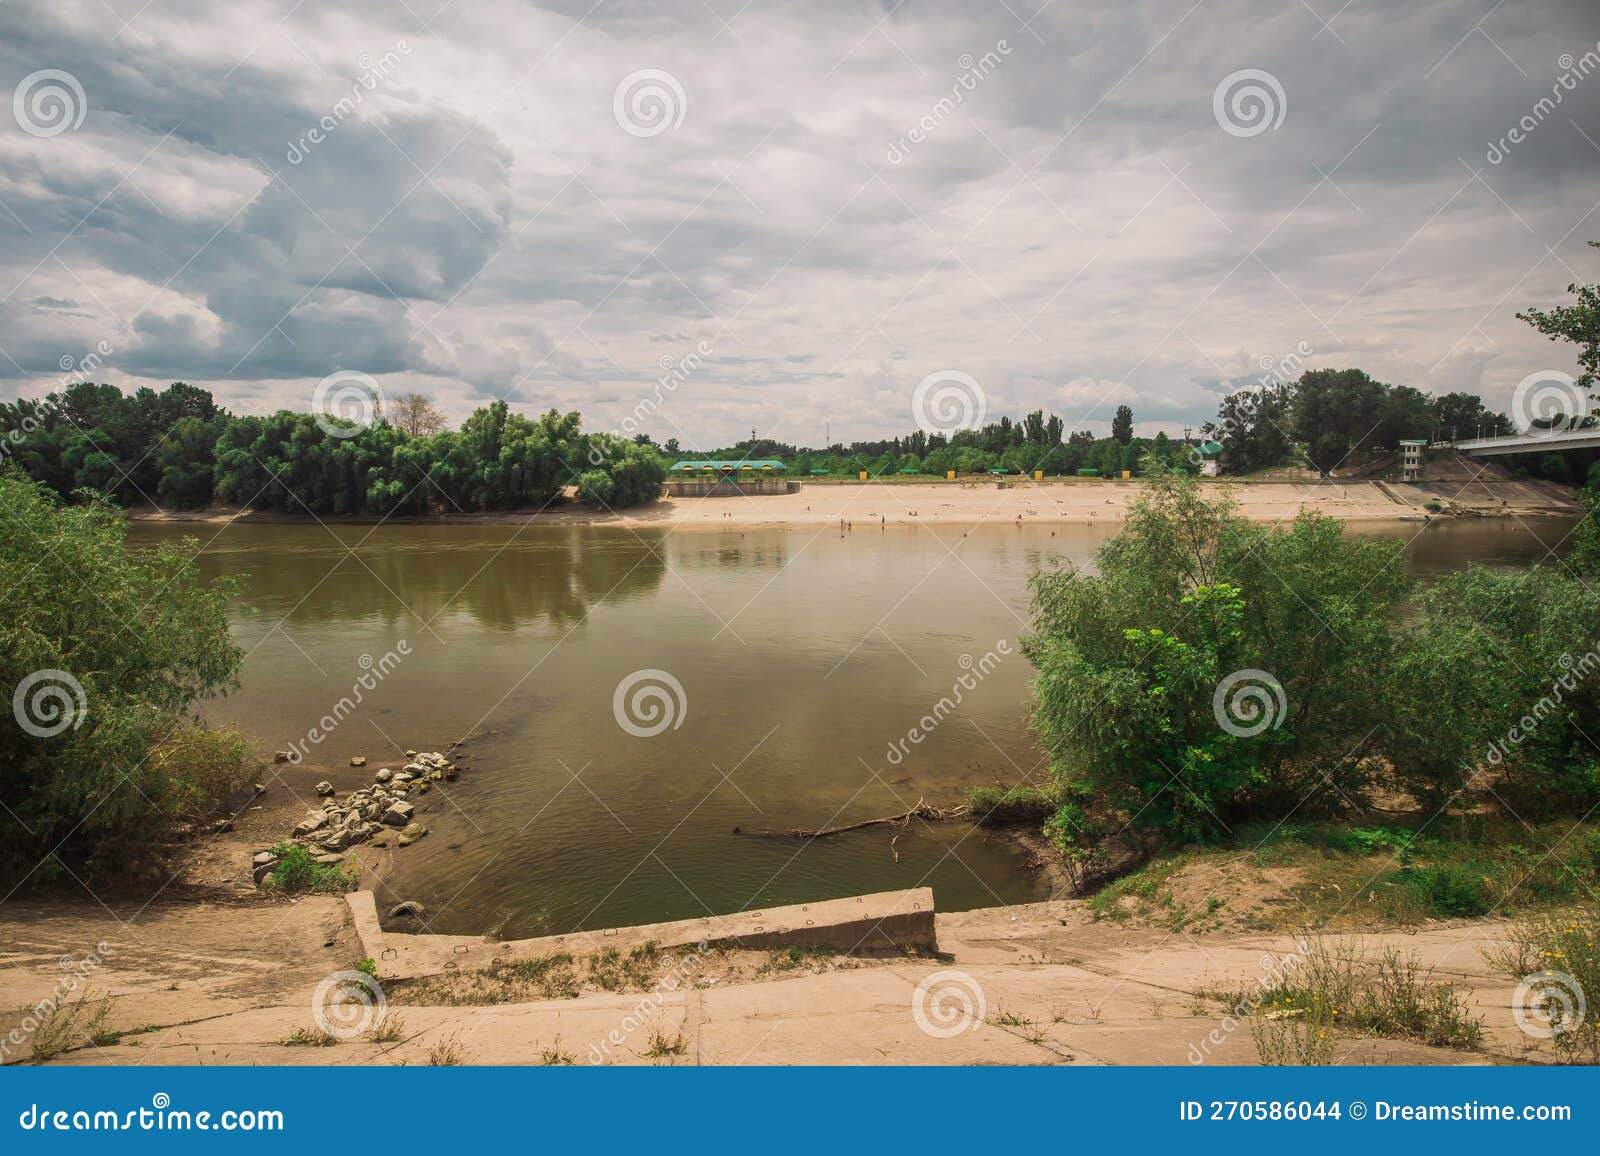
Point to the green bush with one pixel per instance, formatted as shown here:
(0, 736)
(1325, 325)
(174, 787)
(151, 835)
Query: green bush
(1447, 890)
(298, 872)
(1005, 806)
(108, 648)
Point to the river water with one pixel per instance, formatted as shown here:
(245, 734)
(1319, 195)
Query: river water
(804, 657)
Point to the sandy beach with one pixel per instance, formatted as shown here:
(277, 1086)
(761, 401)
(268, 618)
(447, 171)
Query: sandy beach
(974, 503)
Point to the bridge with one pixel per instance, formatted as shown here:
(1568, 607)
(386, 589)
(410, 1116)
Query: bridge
(1532, 443)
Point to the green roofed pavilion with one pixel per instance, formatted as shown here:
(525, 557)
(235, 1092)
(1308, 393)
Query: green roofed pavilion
(757, 465)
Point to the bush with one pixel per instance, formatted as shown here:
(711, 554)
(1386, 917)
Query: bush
(298, 872)
(1555, 957)
(1449, 890)
(108, 648)
(1006, 806)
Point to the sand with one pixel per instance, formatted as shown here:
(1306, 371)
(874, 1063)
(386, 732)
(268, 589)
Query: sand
(975, 503)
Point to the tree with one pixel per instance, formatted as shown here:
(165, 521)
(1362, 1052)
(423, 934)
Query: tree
(1336, 412)
(1122, 424)
(416, 414)
(1463, 415)
(1140, 665)
(101, 762)
(1578, 323)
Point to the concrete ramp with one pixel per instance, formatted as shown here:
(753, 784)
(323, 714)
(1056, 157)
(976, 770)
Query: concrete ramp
(885, 923)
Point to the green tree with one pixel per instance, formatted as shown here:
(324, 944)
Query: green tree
(1578, 323)
(1122, 424)
(103, 651)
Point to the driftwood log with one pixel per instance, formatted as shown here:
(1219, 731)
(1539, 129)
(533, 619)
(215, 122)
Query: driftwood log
(923, 810)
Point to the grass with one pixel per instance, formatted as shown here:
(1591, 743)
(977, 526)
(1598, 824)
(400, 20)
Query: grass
(503, 981)
(447, 1053)
(68, 1026)
(660, 1045)
(309, 1038)
(1340, 988)
(299, 873)
(554, 1057)
(614, 971)
(390, 1029)
(1553, 955)
(1362, 877)
(1005, 806)
(792, 957)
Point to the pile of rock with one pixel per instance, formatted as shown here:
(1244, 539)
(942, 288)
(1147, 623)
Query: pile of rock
(368, 812)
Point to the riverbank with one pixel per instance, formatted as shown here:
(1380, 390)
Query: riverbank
(1045, 984)
(860, 505)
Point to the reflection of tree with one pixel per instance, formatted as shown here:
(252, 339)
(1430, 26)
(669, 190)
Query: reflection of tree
(501, 576)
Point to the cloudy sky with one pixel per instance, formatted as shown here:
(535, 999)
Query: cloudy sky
(1076, 204)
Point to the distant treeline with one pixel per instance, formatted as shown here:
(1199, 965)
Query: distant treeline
(179, 449)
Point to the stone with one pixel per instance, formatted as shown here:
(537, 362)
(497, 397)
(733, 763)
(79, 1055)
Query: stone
(409, 908)
(329, 859)
(411, 754)
(412, 832)
(436, 774)
(260, 872)
(384, 775)
(280, 756)
(222, 826)
(358, 760)
(452, 774)
(260, 788)
(314, 821)
(398, 814)
(324, 788)
(263, 857)
(379, 844)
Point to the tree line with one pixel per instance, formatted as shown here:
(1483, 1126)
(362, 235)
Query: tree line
(179, 449)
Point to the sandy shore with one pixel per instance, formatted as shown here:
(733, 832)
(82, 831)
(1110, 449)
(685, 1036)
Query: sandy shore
(973, 503)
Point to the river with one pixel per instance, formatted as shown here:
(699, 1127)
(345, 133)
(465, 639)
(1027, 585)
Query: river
(804, 658)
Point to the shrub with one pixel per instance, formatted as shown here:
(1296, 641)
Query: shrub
(1004, 806)
(1555, 957)
(298, 872)
(126, 641)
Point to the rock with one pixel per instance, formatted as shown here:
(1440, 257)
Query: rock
(408, 908)
(336, 840)
(436, 774)
(379, 844)
(384, 775)
(412, 832)
(260, 872)
(260, 788)
(280, 756)
(351, 818)
(222, 826)
(411, 754)
(261, 857)
(452, 774)
(313, 822)
(358, 760)
(422, 790)
(329, 859)
(398, 814)
(324, 788)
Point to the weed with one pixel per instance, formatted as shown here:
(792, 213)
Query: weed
(314, 1038)
(65, 1027)
(447, 1053)
(554, 1057)
(391, 1029)
(661, 1044)
(298, 872)
(1556, 959)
